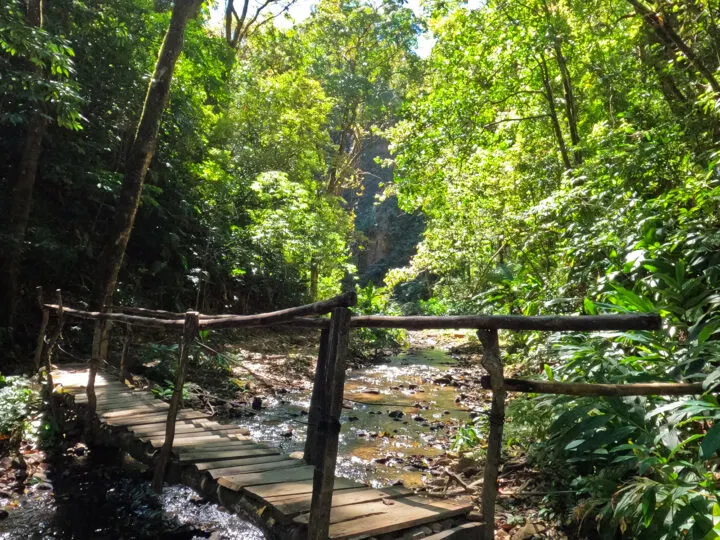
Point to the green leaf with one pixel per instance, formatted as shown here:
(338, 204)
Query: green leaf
(548, 372)
(711, 442)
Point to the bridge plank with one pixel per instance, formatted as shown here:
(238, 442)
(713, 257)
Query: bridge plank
(297, 504)
(236, 482)
(216, 446)
(375, 518)
(256, 467)
(211, 465)
(227, 454)
(267, 492)
(136, 420)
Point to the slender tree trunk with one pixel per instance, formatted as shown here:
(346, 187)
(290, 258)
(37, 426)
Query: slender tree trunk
(667, 34)
(676, 100)
(552, 111)
(570, 103)
(314, 275)
(20, 200)
(141, 152)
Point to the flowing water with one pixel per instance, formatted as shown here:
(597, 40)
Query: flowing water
(106, 495)
(399, 416)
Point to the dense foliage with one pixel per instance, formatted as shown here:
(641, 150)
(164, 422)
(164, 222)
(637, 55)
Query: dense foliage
(565, 156)
(546, 157)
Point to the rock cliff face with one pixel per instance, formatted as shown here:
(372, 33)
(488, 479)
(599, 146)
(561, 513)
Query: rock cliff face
(387, 236)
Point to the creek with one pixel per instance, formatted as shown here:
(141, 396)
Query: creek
(397, 415)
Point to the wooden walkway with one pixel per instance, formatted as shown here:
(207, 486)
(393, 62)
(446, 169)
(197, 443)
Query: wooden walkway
(258, 472)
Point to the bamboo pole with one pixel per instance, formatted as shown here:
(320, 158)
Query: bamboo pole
(311, 455)
(328, 429)
(43, 328)
(190, 328)
(587, 389)
(492, 363)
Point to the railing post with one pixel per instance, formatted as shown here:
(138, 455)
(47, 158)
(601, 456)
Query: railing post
(92, 375)
(48, 359)
(190, 328)
(492, 363)
(43, 328)
(328, 426)
(311, 455)
(124, 366)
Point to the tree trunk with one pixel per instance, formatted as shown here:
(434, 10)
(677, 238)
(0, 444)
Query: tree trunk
(667, 34)
(141, 152)
(314, 275)
(20, 200)
(570, 103)
(552, 111)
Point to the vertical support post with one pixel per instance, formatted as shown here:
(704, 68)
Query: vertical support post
(92, 374)
(105, 341)
(48, 359)
(311, 455)
(492, 363)
(190, 328)
(43, 328)
(328, 429)
(125, 374)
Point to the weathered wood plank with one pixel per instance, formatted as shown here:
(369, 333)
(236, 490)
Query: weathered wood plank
(407, 505)
(267, 492)
(218, 445)
(227, 454)
(199, 439)
(466, 531)
(185, 414)
(211, 465)
(238, 481)
(375, 518)
(256, 468)
(297, 504)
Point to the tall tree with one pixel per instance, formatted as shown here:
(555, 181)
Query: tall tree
(141, 152)
(46, 67)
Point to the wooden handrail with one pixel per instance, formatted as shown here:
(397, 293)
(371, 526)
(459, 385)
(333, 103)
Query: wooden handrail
(282, 316)
(598, 389)
(120, 317)
(552, 323)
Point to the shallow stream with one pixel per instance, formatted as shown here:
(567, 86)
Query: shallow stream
(401, 412)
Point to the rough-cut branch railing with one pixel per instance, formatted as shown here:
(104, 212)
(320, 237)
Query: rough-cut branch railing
(550, 323)
(284, 315)
(323, 431)
(598, 389)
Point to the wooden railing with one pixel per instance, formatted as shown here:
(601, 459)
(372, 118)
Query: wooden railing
(326, 402)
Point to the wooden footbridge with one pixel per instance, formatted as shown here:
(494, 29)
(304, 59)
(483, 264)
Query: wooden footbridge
(221, 460)
(292, 498)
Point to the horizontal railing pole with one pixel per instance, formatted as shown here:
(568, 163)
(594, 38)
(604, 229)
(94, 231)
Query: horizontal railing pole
(551, 323)
(281, 316)
(109, 316)
(589, 389)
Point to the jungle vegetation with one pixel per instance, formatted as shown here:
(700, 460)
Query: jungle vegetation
(545, 157)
